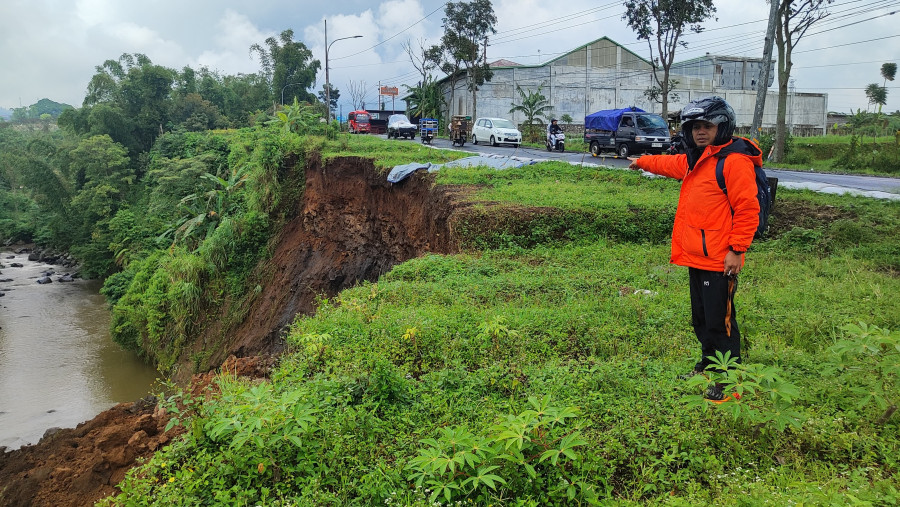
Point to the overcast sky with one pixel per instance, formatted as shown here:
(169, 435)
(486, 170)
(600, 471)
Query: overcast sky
(50, 48)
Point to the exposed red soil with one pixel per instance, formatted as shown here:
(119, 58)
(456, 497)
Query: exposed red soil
(78, 466)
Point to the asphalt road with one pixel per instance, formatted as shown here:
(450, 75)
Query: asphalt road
(871, 186)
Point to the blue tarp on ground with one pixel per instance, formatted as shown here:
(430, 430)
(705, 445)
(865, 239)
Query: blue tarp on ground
(400, 172)
(608, 119)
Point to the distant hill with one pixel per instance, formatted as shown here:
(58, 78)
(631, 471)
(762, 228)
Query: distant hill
(43, 106)
(5, 113)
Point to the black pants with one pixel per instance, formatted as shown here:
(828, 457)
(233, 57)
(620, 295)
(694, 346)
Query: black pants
(713, 314)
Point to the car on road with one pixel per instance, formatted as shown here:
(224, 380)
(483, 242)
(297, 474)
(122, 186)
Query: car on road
(398, 126)
(496, 131)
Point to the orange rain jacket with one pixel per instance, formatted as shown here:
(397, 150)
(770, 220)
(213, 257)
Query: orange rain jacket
(705, 227)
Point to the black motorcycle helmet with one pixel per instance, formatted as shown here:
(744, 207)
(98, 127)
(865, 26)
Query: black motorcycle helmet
(712, 109)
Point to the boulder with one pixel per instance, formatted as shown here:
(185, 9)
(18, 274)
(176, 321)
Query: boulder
(16, 265)
(65, 278)
(43, 280)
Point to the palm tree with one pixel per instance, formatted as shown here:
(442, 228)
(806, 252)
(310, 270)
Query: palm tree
(888, 71)
(876, 95)
(533, 106)
(425, 100)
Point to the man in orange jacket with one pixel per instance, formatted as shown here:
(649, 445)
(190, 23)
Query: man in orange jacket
(712, 230)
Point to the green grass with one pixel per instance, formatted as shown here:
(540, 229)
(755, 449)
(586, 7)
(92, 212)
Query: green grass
(820, 154)
(385, 153)
(461, 342)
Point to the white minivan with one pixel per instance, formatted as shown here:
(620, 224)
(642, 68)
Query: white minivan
(496, 131)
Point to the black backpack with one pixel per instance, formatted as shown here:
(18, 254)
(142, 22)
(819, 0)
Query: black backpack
(765, 193)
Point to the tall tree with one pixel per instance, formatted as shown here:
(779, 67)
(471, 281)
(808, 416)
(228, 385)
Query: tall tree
(287, 62)
(794, 19)
(128, 99)
(663, 22)
(425, 60)
(888, 72)
(877, 95)
(466, 27)
(450, 65)
(334, 94)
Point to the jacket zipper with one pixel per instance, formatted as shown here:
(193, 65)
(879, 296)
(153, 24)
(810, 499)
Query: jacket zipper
(703, 239)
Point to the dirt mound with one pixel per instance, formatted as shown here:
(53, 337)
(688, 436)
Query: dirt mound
(79, 466)
(351, 225)
(789, 214)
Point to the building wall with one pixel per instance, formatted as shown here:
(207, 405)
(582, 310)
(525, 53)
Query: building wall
(727, 72)
(617, 78)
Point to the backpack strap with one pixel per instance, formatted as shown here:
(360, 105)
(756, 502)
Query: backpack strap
(720, 174)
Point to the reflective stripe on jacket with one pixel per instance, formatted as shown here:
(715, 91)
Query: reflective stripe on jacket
(704, 225)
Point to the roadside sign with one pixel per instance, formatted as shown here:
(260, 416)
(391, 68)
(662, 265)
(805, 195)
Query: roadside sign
(389, 90)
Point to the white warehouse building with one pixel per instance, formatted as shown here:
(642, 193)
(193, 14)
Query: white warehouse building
(605, 75)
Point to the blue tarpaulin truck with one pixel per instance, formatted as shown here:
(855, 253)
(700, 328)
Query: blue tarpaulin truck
(626, 131)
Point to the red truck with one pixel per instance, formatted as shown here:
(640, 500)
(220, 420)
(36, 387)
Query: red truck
(359, 122)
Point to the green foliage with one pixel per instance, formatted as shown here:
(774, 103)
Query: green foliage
(466, 24)
(214, 237)
(533, 446)
(39, 109)
(302, 119)
(289, 64)
(533, 106)
(757, 394)
(426, 100)
(868, 364)
(861, 154)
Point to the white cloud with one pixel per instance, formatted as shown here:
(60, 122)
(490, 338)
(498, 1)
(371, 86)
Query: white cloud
(235, 33)
(50, 48)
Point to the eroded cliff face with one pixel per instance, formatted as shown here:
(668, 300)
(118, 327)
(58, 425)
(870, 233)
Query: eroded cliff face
(349, 225)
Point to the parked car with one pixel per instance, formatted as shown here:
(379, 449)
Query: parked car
(626, 131)
(496, 131)
(399, 126)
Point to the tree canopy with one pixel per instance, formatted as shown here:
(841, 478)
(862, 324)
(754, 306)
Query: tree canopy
(286, 62)
(662, 23)
(466, 27)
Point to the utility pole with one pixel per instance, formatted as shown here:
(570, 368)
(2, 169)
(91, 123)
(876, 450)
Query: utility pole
(762, 84)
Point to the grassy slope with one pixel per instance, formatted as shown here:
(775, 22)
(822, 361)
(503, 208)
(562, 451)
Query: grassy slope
(463, 341)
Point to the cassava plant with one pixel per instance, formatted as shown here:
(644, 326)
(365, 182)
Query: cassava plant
(758, 394)
(868, 362)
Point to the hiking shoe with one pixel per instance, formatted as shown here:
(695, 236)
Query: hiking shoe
(690, 374)
(715, 392)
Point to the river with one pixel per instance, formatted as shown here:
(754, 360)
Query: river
(58, 364)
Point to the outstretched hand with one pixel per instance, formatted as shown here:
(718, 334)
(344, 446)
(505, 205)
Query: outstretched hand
(634, 166)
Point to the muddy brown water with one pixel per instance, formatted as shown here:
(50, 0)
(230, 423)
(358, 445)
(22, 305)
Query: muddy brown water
(58, 364)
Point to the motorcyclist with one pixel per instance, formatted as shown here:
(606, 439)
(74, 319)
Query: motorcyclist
(552, 130)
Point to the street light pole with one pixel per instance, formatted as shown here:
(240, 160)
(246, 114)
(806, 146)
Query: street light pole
(327, 82)
(282, 91)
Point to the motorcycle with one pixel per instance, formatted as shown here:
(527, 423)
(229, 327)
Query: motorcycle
(560, 142)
